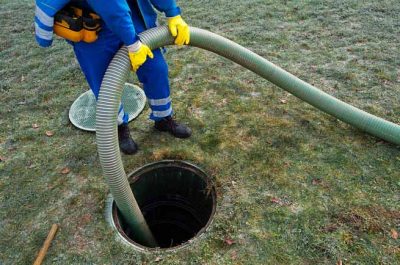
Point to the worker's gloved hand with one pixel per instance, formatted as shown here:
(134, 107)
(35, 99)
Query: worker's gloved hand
(138, 53)
(179, 29)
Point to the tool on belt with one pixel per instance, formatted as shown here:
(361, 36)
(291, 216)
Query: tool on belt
(76, 24)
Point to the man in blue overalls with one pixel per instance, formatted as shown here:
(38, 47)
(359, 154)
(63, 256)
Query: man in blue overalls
(122, 20)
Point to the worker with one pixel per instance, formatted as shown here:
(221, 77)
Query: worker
(121, 22)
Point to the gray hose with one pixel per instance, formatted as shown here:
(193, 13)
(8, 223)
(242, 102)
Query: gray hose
(111, 90)
(108, 148)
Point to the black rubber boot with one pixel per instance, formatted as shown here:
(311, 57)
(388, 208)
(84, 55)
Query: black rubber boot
(126, 143)
(168, 124)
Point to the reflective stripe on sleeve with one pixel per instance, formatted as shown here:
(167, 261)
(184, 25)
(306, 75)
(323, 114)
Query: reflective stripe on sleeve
(43, 17)
(43, 34)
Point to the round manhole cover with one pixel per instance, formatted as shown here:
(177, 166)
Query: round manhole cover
(82, 113)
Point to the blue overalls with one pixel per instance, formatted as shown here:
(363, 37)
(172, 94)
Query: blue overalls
(95, 57)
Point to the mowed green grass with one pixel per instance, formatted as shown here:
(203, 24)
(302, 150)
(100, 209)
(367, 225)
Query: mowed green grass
(295, 186)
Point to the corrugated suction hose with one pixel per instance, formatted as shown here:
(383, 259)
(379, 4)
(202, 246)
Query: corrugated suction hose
(117, 72)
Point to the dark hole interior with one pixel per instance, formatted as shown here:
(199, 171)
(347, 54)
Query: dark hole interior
(176, 199)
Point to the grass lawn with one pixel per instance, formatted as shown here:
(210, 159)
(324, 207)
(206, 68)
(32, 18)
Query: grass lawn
(295, 186)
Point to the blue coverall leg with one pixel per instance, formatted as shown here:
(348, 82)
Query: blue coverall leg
(95, 57)
(153, 74)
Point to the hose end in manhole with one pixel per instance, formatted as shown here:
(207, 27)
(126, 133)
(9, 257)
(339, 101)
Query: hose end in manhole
(178, 201)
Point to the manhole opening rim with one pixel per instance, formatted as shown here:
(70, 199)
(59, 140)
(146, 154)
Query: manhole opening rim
(135, 175)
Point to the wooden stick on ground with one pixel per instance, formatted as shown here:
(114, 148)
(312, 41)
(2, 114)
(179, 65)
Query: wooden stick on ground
(46, 245)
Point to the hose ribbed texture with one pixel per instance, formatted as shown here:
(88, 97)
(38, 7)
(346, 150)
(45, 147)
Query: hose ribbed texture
(111, 90)
(367, 122)
(108, 148)
(204, 39)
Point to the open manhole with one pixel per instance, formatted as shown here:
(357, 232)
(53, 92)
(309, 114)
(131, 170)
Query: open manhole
(178, 202)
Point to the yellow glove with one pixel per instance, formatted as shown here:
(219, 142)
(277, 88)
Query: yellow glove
(138, 53)
(179, 29)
